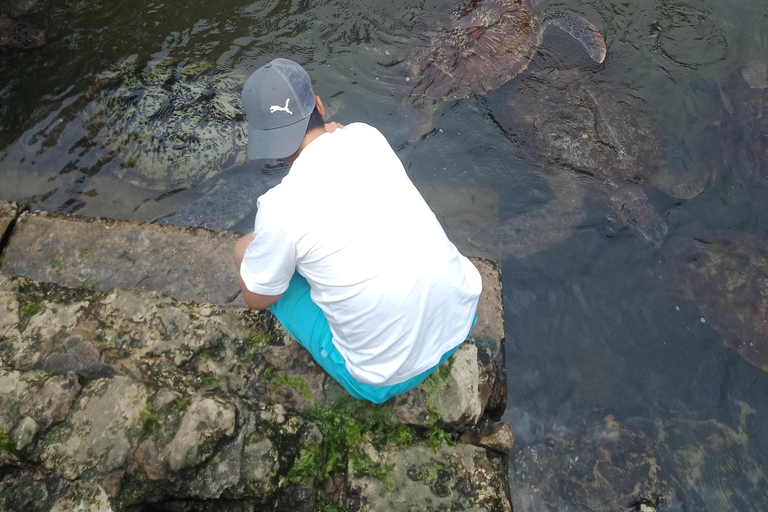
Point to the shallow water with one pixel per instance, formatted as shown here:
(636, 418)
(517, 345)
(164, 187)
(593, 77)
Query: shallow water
(589, 324)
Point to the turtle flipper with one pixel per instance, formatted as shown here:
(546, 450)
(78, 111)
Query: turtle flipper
(232, 198)
(417, 113)
(683, 183)
(637, 213)
(581, 29)
(531, 232)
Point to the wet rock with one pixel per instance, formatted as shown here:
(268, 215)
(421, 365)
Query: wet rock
(203, 425)
(488, 335)
(103, 428)
(462, 477)
(714, 461)
(30, 491)
(8, 212)
(499, 438)
(24, 432)
(51, 405)
(83, 497)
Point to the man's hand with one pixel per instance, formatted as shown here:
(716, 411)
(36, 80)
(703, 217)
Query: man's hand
(331, 127)
(252, 300)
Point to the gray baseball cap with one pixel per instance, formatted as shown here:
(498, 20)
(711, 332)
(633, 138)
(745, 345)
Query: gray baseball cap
(278, 100)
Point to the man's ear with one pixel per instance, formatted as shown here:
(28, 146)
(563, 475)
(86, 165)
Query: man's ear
(319, 105)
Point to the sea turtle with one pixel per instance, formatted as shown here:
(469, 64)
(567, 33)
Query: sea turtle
(16, 33)
(162, 125)
(478, 47)
(714, 462)
(230, 201)
(726, 274)
(598, 465)
(581, 134)
(743, 126)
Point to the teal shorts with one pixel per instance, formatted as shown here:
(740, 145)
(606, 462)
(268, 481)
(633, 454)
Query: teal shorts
(306, 322)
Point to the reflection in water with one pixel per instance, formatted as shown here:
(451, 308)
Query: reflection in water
(590, 324)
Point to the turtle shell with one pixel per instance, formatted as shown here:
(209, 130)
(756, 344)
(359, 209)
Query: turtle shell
(477, 48)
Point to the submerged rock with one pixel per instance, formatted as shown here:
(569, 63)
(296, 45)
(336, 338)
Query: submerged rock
(724, 273)
(600, 465)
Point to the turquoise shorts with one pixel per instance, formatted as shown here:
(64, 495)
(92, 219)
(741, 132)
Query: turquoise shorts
(305, 321)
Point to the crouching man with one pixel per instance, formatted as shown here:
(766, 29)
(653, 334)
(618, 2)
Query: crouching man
(345, 252)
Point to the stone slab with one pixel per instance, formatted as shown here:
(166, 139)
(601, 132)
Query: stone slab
(101, 254)
(8, 212)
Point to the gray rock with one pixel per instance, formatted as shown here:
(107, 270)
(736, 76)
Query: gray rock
(488, 334)
(499, 438)
(8, 212)
(83, 497)
(102, 429)
(51, 405)
(203, 425)
(24, 432)
(454, 398)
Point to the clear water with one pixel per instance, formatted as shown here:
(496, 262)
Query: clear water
(588, 324)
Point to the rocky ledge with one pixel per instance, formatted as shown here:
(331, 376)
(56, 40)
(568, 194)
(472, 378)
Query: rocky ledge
(160, 397)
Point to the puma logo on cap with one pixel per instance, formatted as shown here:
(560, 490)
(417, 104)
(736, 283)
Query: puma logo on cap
(275, 108)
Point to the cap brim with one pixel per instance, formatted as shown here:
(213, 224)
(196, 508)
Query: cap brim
(277, 142)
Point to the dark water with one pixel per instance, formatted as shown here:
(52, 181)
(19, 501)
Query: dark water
(590, 326)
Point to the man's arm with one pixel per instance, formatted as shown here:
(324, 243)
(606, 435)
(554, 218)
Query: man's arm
(252, 300)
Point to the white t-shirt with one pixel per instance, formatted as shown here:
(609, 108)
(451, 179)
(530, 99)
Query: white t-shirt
(395, 291)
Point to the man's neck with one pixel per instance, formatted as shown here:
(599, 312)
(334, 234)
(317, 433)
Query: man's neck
(309, 137)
